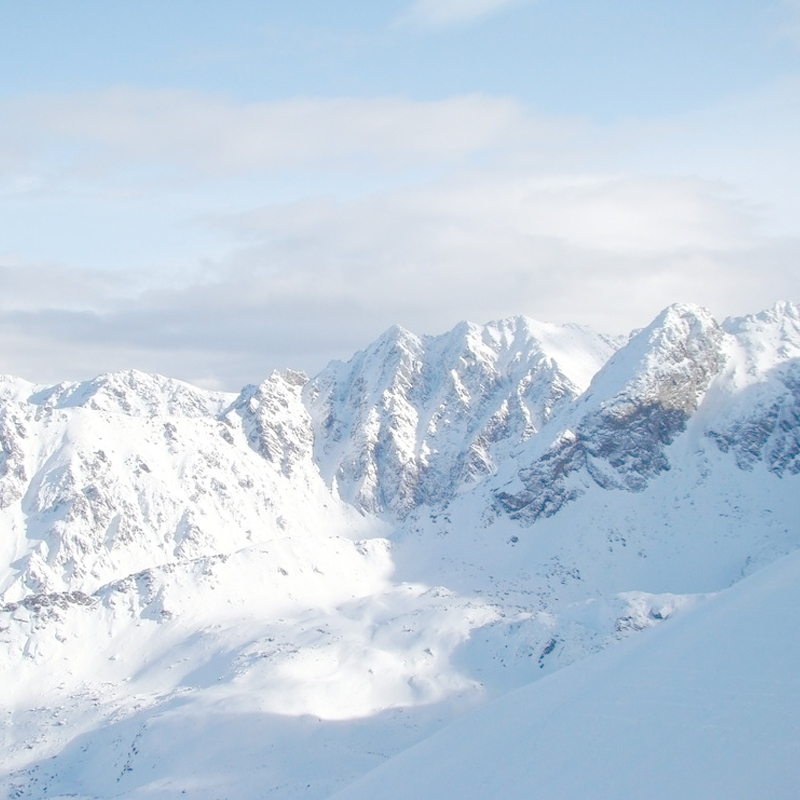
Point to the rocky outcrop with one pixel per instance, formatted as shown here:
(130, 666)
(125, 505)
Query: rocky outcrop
(617, 434)
(763, 425)
(275, 421)
(131, 471)
(411, 420)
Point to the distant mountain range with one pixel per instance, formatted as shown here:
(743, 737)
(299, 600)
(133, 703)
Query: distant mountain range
(276, 592)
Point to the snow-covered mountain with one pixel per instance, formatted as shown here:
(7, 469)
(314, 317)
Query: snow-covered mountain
(273, 593)
(737, 384)
(410, 420)
(131, 471)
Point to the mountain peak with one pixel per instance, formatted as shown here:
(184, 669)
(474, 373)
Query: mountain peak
(779, 325)
(132, 393)
(411, 420)
(637, 404)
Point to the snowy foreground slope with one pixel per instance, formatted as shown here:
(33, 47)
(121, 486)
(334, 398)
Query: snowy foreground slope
(274, 593)
(703, 708)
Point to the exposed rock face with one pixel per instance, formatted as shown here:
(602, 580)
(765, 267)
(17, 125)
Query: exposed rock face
(617, 434)
(129, 471)
(764, 425)
(13, 472)
(412, 419)
(275, 421)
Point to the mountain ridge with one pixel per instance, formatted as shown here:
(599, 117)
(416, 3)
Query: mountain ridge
(379, 548)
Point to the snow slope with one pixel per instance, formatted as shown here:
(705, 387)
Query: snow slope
(706, 706)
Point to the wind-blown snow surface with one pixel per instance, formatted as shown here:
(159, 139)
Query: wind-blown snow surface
(271, 594)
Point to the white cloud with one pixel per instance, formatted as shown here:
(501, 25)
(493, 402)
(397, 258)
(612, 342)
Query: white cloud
(608, 251)
(96, 133)
(463, 208)
(318, 279)
(436, 13)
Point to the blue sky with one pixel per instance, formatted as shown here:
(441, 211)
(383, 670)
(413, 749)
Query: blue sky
(214, 190)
